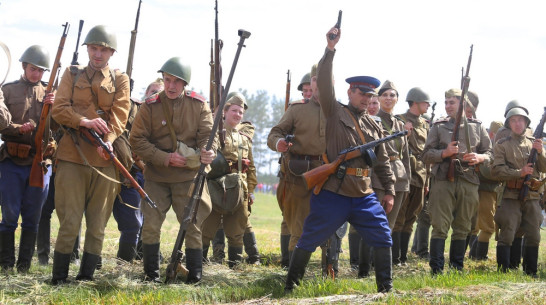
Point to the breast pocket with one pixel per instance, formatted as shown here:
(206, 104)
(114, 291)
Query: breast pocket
(106, 96)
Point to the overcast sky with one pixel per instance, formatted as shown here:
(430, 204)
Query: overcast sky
(412, 43)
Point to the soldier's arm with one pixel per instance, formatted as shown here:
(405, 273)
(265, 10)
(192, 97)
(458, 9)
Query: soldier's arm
(205, 128)
(5, 116)
(120, 108)
(383, 170)
(431, 153)
(500, 168)
(325, 83)
(283, 128)
(140, 133)
(251, 178)
(485, 147)
(62, 111)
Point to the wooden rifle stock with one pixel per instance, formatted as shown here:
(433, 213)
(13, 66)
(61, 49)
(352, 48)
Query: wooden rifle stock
(38, 169)
(532, 157)
(287, 98)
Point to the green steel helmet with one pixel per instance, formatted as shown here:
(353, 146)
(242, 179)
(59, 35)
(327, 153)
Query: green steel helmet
(235, 98)
(514, 104)
(218, 167)
(417, 94)
(516, 111)
(36, 55)
(305, 80)
(103, 36)
(175, 67)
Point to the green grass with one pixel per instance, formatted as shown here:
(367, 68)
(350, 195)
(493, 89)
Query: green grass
(121, 283)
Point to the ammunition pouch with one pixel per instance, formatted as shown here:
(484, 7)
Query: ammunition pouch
(298, 167)
(18, 150)
(515, 184)
(226, 192)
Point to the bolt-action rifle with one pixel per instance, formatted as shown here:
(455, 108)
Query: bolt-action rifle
(75, 55)
(287, 98)
(533, 158)
(132, 44)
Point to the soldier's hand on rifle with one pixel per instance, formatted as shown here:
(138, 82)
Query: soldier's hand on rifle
(451, 149)
(283, 146)
(409, 127)
(332, 43)
(387, 202)
(103, 153)
(26, 128)
(176, 160)
(49, 98)
(98, 125)
(537, 144)
(207, 156)
(473, 158)
(251, 198)
(527, 170)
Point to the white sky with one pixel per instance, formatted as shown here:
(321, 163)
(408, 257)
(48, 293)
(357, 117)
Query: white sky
(413, 43)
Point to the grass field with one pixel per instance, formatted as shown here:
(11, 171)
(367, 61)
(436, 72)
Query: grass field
(121, 283)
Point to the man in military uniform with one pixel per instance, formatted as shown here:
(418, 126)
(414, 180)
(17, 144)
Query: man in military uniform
(236, 157)
(417, 127)
(511, 165)
(305, 121)
(94, 97)
(453, 203)
(170, 120)
(348, 197)
(20, 111)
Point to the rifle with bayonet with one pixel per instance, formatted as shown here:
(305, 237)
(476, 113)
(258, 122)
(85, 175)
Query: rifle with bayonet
(39, 168)
(75, 55)
(533, 159)
(318, 176)
(196, 188)
(465, 81)
(129, 70)
(218, 88)
(287, 99)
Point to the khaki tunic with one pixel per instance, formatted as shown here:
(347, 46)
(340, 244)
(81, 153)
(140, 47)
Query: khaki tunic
(168, 186)
(341, 134)
(511, 154)
(23, 103)
(5, 116)
(238, 139)
(305, 120)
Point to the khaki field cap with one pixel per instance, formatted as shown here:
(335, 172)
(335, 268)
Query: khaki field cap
(386, 86)
(192, 155)
(36, 55)
(305, 80)
(473, 97)
(495, 126)
(235, 98)
(103, 36)
(417, 95)
(455, 92)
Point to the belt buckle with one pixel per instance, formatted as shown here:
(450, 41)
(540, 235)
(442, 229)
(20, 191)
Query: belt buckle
(358, 172)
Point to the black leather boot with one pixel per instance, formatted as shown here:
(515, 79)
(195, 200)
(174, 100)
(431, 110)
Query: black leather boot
(457, 251)
(126, 251)
(404, 244)
(437, 246)
(503, 258)
(530, 261)
(296, 270)
(423, 234)
(383, 268)
(7, 250)
(43, 244)
(150, 258)
(365, 255)
(481, 250)
(285, 255)
(87, 266)
(396, 247)
(235, 256)
(354, 250)
(473, 244)
(61, 264)
(251, 248)
(206, 253)
(27, 244)
(515, 253)
(194, 263)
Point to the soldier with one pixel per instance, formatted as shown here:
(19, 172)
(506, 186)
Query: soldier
(373, 106)
(417, 127)
(20, 111)
(236, 163)
(172, 122)
(453, 203)
(511, 165)
(351, 197)
(304, 120)
(94, 97)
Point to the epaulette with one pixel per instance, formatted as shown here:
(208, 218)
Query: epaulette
(196, 96)
(400, 117)
(302, 101)
(376, 118)
(136, 101)
(441, 120)
(474, 120)
(153, 99)
(504, 140)
(247, 129)
(11, 83)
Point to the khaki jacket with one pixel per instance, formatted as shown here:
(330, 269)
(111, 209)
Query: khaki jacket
(416, 142)
(5, 116)
(341, 134)
(239, 139)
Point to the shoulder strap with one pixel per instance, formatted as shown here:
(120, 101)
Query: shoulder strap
(357, 126)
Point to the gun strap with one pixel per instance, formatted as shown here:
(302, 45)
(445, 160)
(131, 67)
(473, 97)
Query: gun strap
(357, 126)
(170, 125)
(8, 54)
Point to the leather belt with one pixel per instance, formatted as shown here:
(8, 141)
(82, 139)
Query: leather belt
(306, 157)
(394, 158)
(357, 171)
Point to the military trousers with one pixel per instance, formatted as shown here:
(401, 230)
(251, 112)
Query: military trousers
(452, 204)
(234, 223)
(175, 195)
(512, 214)
(410, 209)
(81, 191)
(329, 211)
(127, 212)
(485, 224)
(399, 199)
(295, 207)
